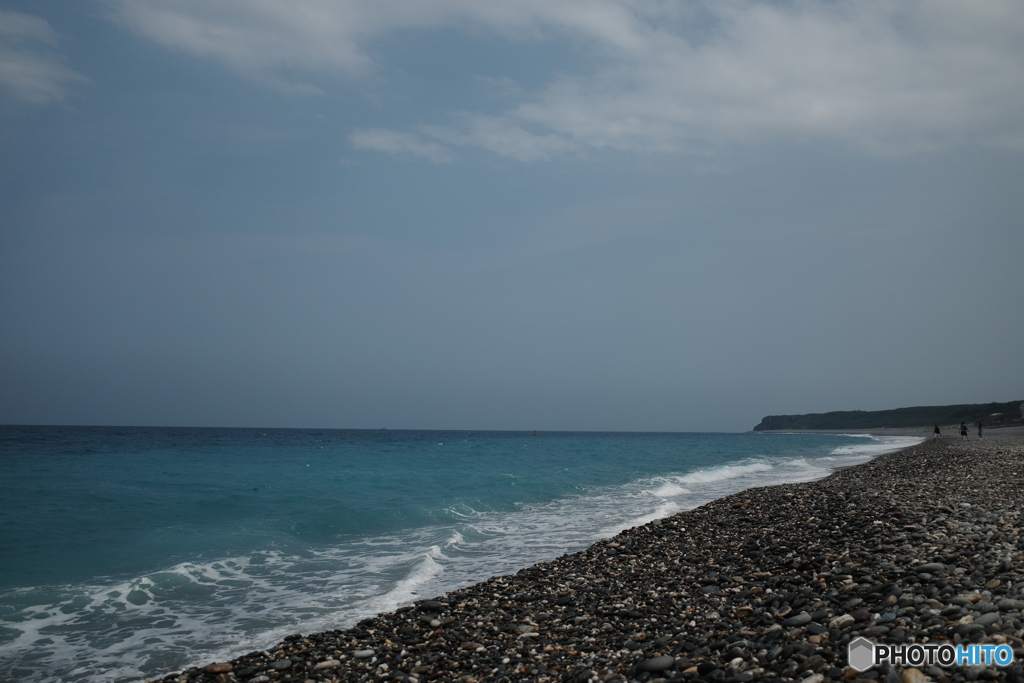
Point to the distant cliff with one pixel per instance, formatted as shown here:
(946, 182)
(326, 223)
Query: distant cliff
(901, 418)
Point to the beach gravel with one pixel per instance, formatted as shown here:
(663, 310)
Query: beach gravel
(770, 584)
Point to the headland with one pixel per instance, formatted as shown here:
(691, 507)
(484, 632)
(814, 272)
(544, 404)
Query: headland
(770, 584)
(991, 414)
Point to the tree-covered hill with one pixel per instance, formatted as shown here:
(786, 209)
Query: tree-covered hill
(991, 414)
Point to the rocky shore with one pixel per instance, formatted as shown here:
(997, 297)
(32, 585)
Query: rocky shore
(769, 584)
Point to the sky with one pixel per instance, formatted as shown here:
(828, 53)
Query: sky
(615, 215)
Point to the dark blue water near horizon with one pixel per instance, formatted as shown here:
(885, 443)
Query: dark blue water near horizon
(135, 551)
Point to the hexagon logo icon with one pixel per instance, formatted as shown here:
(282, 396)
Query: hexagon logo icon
(860, 654)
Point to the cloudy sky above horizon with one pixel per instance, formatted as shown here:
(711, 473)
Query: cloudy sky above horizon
(561, 214)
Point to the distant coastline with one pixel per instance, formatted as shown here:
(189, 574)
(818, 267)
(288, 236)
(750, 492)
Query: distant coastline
(902, 419)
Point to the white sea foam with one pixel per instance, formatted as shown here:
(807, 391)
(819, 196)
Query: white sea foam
(878, 445)
(666, 509)
(670, 489)
(721, 472)
(195, 612)
(404, 591)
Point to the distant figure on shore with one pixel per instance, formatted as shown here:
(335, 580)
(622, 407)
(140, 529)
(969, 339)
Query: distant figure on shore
(979, 428)
(937, 433)
(963, 431)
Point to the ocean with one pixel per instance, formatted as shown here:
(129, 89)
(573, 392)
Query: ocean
(130, 553)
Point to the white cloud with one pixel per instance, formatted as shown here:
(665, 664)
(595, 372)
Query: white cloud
(884, 75)
(398, 144)
(264, 39)
(29, 69)
(261, 39)
(502, 135)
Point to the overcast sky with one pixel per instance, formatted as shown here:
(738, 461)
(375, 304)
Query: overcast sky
(507, 214)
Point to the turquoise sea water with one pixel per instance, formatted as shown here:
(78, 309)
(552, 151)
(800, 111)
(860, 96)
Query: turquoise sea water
(133, 552)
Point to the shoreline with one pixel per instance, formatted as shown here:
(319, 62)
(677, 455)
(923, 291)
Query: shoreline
(766, 584)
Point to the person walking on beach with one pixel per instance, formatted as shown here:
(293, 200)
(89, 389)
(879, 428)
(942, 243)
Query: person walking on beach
(963, 431)
(979, 428)
(937, 434)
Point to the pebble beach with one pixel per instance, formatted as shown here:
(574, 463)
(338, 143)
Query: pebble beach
(770, 584)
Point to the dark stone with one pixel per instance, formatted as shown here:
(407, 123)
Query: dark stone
(431, 606)
(798, 620)
(656, 664)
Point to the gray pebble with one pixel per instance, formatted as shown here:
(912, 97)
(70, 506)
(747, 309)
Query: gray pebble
(656, 664)
(988, 618)
(798, 620)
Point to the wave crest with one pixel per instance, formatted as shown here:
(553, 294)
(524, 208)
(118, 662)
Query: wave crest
(722, 472)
